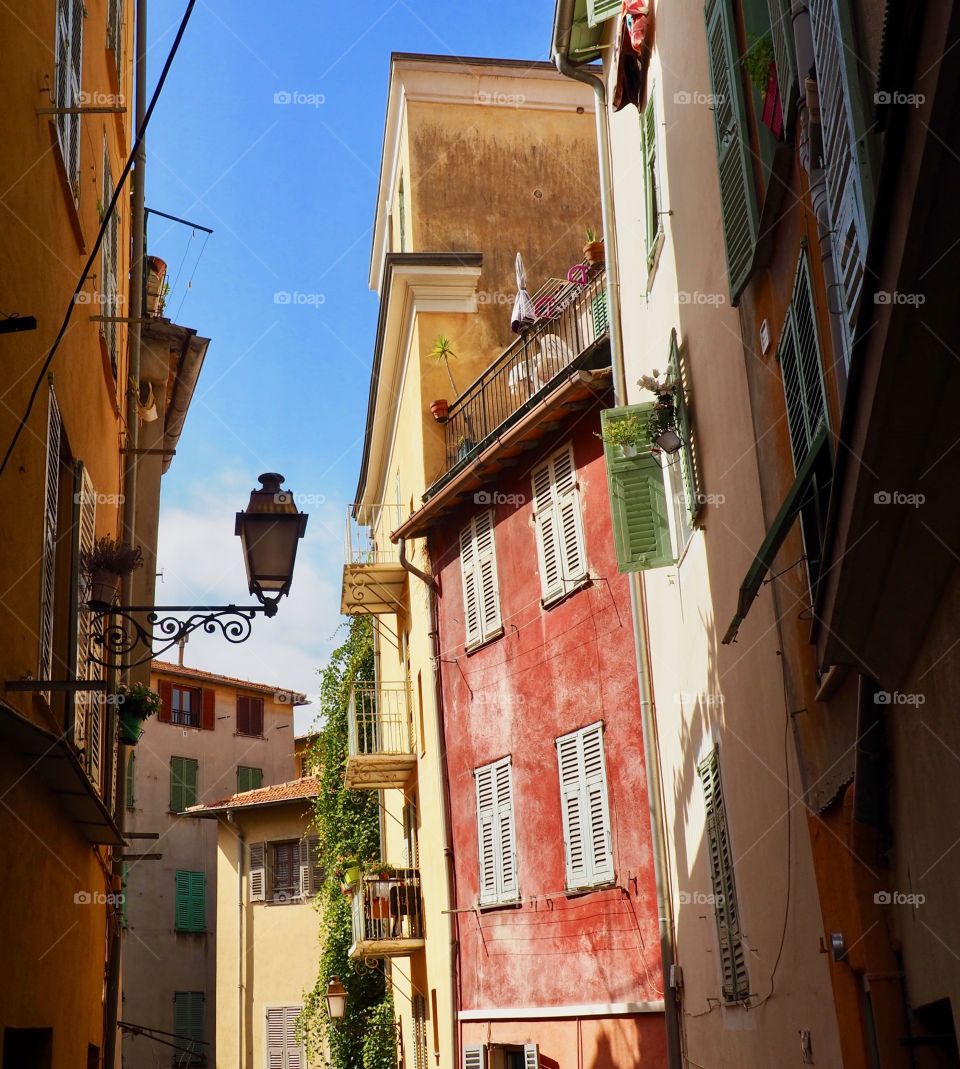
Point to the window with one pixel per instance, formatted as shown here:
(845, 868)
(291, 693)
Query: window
(421, 1053)
(48, 557)
(478, 569)
(583, 800)
(188, 1025)
(69, 59)
(286, 871)
(87, 705)
(496, 833)
(648, 134)
(249, 715)
(474, 1056)
(185, 705)
(183, 783)
(799, 355)
(738, 203)
(190, 912)
(638, 499)
(115, 32)
(283, 1050)
(248, 779)
(109, 252)
(131, 781)
(733, 965)
(559, 526)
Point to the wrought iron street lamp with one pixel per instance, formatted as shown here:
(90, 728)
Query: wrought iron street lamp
(336, 997)
(270, 529)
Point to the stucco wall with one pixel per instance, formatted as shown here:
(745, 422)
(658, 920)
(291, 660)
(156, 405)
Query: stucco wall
(157, 960)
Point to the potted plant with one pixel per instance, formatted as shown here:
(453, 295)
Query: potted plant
(157, 287)
(104, 566)
(440, 410)
(465, 446)
(348, 872)
(760, 65)
(662, 423)
(624, 432)
(443, 351)
(593, 250)
(135, 704)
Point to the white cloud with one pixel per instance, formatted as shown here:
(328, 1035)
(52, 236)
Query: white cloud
(202, 564)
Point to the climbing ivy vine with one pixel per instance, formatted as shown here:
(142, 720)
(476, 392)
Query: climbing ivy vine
(348, 827)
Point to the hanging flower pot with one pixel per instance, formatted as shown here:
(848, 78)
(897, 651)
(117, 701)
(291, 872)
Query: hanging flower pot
(104, 587)
(156, 285)
(440, 410)
(135, 704)
(104, 565)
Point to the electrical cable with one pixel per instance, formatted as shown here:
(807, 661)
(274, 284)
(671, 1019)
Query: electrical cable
(193, 275)
(108, 213)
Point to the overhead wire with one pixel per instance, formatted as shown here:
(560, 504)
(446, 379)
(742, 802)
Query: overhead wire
(104, 222)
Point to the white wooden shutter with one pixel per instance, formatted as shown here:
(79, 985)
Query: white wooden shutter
(276, 1034)
(471, 604)
(48, 560)
(69, 61)
(304, 868)
(258, 875)
(478, 566)
(475, 1056)
(486, 810)
(292, 1049)
(311, 875)
(559, 525)
(85, 537)
(546, 522)
(531, 1056)
(496, 832)
(584, 806)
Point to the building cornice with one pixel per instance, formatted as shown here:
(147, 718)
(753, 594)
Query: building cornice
(587, 1009)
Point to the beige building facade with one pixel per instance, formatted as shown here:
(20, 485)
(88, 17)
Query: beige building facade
(215, 736)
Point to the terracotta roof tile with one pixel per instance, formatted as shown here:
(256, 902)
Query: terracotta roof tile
(307, 787)
(168, 668)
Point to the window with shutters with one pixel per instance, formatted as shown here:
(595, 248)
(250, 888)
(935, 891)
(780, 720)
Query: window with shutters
(733, 962)
(474, 1056)
(185, 706)
(651, 182)
(801, 367)
(109, 253)
(48, 550)
(249, 715)
(284, 1051)
(311, 866)
(738, 197)
(584, 807)
(284, 871)
(131, 781)
(558, 523)
(69, 61)
(257, 872)
(478, 569)
(249, 778)
(188, 1026)
(600, 10)
(638, 496)
(115, 33)
(496, 833)
(421, 1051)
(183, 783)
(190, 901)
(88, 706)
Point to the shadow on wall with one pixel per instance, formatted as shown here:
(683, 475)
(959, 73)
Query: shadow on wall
(603, 1058)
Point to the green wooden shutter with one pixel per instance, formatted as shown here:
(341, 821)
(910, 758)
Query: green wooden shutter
(249, 779)
(736, 983)
(688, 470)
(598, 311)
(600, 10)
(738, 201)
(188, 1020)
(183, 783)
(781, 33)
(190, 910)
(124, 882)
(638, 498)
(648, 129)
(131, 781)
(190, 782)
(181, 908)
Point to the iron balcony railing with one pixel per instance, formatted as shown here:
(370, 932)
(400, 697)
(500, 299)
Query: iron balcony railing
(368, 534)
(379, 719)
(388, 908)
(570, 324)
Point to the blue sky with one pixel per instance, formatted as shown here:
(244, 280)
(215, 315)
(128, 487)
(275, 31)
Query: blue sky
(289, 190)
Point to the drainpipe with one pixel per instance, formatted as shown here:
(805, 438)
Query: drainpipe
(446, 830)
(112, 1001)
(238, 831)
(638, 605)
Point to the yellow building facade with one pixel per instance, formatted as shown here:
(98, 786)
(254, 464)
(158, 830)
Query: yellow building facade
(267, 926)
(482, 159)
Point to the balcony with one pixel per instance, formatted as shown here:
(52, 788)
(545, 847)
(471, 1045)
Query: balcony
(387, 915)
(568, 334)
(380, 752)
(374, 580)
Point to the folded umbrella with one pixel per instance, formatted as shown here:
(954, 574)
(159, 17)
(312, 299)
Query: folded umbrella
(523, 314)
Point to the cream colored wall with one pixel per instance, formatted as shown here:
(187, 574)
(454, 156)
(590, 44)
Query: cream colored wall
(158, 960)
(280, 942)
(707, 693)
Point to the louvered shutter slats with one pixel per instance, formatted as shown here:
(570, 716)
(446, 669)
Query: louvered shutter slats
(531, 1056)
(257, 877)
(585, 807)
(558, 523)
(600, 10)
(474, 1056)
(478, 565)
(496, 834)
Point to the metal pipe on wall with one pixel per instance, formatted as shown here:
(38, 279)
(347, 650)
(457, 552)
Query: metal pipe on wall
(638, 607)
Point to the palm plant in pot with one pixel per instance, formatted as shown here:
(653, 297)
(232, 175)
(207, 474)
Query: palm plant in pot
(105, 565)
(443, 351)
(136, 703)
(593, 251)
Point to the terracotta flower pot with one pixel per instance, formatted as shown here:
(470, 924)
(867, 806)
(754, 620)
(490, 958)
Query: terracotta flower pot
(440, 410)
(593, 252)
(156, 277)
(104, 587)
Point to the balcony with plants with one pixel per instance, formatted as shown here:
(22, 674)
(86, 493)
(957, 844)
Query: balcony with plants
(387, 912)
(380, 751)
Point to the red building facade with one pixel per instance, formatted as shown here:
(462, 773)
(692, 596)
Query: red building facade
(557, 915)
